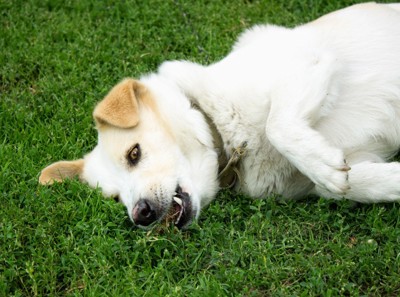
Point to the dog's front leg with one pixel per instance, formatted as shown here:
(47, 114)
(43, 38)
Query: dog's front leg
(296, 106)
(307, 150)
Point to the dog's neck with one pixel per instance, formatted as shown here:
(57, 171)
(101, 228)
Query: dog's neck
(228, 165)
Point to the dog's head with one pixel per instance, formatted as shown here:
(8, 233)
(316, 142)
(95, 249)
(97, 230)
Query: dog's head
(154, 152)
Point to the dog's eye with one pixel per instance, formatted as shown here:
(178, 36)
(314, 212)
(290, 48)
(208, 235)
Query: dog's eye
(133, 155)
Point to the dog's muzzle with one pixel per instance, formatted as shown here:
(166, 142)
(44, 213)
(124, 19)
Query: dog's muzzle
(147, 212)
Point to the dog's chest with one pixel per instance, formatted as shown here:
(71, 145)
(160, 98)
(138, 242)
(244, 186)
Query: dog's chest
(263, 170)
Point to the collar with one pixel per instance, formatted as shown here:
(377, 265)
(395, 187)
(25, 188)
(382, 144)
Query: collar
(228, 164)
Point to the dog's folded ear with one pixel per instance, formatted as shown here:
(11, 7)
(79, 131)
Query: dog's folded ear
(120, 107)
(61, 170)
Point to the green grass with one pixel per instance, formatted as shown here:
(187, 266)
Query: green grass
(57, 59)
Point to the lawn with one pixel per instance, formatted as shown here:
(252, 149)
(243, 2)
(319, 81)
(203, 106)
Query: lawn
(57, 59)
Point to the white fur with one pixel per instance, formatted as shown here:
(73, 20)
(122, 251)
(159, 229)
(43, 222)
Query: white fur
(177, 149)
(309, 101)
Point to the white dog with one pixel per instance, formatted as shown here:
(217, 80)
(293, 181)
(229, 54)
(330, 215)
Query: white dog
(292, 112)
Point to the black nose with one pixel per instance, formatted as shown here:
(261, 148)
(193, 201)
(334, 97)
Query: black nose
(144, 213)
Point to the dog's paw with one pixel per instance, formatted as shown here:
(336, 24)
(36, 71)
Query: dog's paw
(337, 179)
(332, 176)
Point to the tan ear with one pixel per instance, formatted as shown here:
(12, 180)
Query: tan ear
(61, 170)
(120, 107)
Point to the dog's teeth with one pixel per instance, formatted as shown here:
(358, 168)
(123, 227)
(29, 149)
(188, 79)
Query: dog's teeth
(178, 200)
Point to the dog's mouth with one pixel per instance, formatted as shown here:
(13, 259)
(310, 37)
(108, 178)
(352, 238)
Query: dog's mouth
(180, 212)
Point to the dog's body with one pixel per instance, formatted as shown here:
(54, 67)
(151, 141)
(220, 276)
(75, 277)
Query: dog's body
(310, 103)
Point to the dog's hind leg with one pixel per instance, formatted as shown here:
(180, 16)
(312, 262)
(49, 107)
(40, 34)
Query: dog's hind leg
(370, 181)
